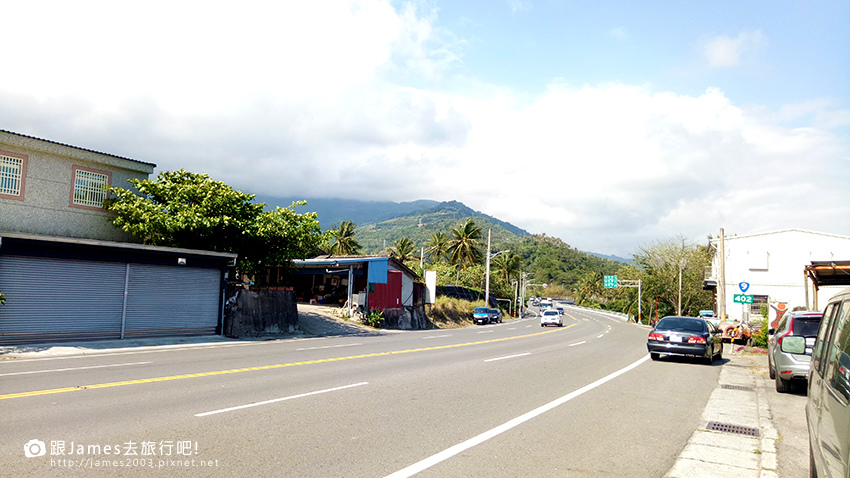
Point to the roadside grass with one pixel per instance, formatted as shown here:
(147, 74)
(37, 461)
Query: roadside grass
(452, 313)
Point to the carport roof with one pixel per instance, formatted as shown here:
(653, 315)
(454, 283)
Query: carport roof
(829, 273)
(128, 246)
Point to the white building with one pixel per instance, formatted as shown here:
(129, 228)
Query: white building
(770, 266)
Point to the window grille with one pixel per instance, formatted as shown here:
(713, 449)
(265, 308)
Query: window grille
(89, 188)
(11, 175)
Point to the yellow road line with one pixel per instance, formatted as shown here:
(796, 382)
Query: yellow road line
(261, 367)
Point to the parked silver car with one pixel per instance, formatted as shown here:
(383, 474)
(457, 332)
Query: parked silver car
(786, 368)
(828, 404)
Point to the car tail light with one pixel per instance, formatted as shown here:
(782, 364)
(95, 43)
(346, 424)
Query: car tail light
(655, 336)
(696, 340)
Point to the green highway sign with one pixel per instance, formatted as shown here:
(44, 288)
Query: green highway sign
(742, 298)
(610, 282)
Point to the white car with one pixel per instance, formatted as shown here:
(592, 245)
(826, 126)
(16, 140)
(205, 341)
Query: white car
(551, 317)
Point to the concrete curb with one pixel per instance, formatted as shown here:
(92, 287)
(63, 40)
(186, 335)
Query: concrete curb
(738, 400)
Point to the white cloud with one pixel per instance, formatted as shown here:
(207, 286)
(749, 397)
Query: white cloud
(314, 99)
(725, 51)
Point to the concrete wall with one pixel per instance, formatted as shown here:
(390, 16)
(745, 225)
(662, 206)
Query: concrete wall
(253, 313)
(46, 206)
(407, 318)
(772, 263)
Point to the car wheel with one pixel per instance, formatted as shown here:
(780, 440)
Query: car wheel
(782, 386)
(654, 356)
(770, 370)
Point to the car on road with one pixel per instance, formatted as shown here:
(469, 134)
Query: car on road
(688, 336)
(481, 315)
(828, 402)
(551, 317)
(786, 368)
(495, 316)
(545, 304)
(560, 310)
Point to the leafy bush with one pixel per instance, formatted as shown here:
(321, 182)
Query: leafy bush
(375, 318)
(760, 337)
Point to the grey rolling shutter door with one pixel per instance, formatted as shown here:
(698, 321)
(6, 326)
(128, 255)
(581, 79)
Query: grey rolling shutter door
(168, 300)
(53, 299)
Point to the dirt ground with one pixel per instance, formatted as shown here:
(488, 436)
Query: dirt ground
(320, 321)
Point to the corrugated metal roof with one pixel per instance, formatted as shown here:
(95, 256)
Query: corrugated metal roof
(115, 245)
(76, 147)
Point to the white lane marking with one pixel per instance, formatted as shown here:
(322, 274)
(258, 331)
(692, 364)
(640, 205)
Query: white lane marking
(508, 357)
(527, 326)
(600, 336)
(486, 332)
(326, 347)
(257, 404)
(74, 368)
(90, 353)
(578, 343)
(512, 328)
(436, 336)
(461, 447)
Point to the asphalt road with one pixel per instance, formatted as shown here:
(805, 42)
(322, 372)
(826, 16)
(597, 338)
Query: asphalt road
(506, 400)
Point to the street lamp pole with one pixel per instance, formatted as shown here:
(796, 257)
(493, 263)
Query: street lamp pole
(487, 273)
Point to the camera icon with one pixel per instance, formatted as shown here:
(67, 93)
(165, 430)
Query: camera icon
(34, 448)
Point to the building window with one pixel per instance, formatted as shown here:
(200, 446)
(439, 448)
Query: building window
(12, 175)
(89, 188)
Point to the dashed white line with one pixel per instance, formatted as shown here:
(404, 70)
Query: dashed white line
(326, 347)
(257, 404)
(512, 328)
(600, 336)
(461, 447)
(508, 357)
(486, 332)
(436, 336)
(74, 368)
(578, 343)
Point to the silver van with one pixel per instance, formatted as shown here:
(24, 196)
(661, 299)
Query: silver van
(828, 404)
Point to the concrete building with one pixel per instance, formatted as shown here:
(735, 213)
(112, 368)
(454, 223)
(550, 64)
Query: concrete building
(55, 189)
(771, 266)
(68, 274)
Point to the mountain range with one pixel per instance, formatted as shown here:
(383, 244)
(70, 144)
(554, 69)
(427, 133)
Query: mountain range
(381, 223)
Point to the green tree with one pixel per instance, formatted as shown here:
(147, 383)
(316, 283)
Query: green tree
(590, 289)
(403, 250)
(506, 266)
(190, 210)
(438, 247)
(666, 265)
(344, 243)
(465, 245)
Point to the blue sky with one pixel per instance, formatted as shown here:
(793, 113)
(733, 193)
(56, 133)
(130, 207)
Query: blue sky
(610, 125)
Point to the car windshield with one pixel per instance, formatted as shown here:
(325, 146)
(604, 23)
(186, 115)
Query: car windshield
(480, 310)
(682, 324)
(550, 312)
(806, 326)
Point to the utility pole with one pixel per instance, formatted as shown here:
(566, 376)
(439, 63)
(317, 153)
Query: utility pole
(721, 296)
(487, 274)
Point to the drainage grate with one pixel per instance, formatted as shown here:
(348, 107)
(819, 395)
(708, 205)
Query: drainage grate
(736, 429)
(738, 387)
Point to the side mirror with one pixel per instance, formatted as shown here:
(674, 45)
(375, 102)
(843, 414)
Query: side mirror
(793, 344)
(771, 331)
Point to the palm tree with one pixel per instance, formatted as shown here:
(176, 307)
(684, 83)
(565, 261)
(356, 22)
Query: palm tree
(403, 249)
(506, 266)
(345, 244)
(464, 246)
(438, 247)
